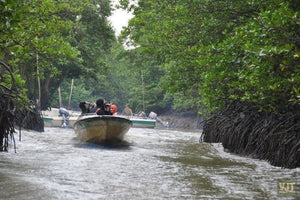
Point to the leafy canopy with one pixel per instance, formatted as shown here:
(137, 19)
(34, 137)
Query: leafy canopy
(215, 52)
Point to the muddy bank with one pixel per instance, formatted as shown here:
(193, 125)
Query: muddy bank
(182, 120)
(242, 129)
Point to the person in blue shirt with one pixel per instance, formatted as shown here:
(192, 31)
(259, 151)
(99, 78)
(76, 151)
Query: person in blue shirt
(101, 108)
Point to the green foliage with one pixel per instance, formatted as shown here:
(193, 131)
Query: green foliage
(32, 32)
(54, 40)
(130, 76)
(256, 63)
(195, 55)
(214, 52)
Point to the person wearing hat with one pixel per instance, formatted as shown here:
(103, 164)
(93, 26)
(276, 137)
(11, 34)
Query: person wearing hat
(107, 109)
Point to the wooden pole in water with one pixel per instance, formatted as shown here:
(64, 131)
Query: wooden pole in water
(72, 84)
(143, 90)
(59, 97)
(38, 78)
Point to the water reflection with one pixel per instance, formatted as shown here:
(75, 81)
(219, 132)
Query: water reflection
(150, 164)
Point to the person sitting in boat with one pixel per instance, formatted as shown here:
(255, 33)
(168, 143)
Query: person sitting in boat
(152, 115)
(86, 107)
(99, 109)
(107, 109)
(113, 109)
(127, 111)
(142, 114)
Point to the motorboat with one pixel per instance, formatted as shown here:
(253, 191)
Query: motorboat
(99, 128)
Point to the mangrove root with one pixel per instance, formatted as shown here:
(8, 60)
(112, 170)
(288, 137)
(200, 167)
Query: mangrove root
(242, 129)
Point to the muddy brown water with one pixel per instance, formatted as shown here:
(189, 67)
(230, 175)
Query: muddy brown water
(150, 164)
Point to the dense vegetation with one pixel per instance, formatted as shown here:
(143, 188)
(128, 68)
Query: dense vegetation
(215, 52)
(46, 42)
(189, 55)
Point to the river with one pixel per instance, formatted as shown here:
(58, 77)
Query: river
(151, 164)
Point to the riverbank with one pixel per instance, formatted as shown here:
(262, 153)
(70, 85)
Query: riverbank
(183, 120)
(243, 130)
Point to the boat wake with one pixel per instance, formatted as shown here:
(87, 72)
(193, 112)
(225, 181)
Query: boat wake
(105, 144)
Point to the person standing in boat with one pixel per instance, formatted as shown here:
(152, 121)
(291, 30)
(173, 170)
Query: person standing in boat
(127, 111)
(65, 115)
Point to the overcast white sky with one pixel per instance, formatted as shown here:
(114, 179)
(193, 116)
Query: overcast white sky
(119, 18)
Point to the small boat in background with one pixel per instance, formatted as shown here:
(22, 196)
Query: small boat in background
(143, 122)
(59, 117)
(101, 128)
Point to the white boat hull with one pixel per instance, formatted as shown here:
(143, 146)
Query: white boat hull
(99, 128)
(143, 123)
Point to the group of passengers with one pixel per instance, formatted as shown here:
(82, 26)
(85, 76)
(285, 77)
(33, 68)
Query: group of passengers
(103, 108)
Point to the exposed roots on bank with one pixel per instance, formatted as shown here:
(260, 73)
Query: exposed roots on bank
(11, 115)
(242, 129)
(30, 119)
(7, 117)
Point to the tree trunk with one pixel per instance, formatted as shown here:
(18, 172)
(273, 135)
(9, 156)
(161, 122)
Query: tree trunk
(72, 84)
(45, 92)
(39, 81)
(59, 97)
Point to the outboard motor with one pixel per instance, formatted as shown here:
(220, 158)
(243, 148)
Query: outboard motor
(65, 114)
(152, 115)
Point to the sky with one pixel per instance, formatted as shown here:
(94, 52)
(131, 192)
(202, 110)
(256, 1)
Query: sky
(119, 18)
